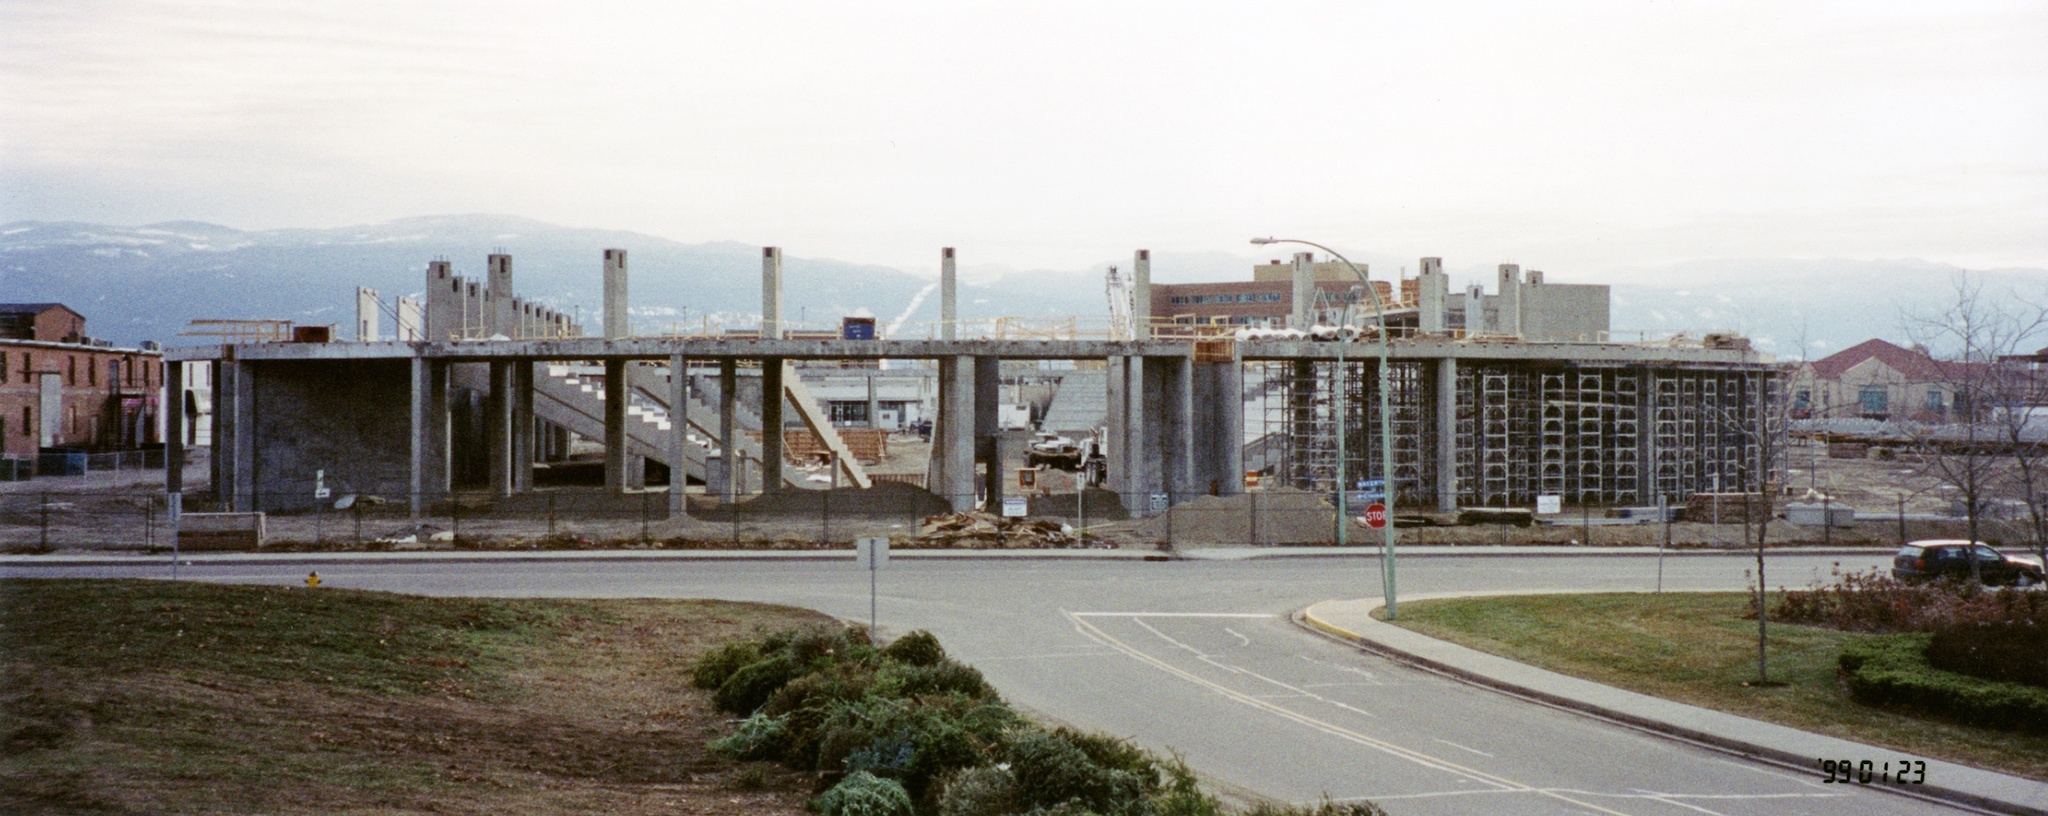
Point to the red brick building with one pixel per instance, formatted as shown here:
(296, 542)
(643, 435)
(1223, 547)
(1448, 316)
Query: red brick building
(61, 389)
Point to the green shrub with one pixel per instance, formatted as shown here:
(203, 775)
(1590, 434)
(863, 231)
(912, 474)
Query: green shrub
(843, 682)
(945, 676)
(758, 737)
(913, 744)
(2002, 652)
(818, 644)
(1875, 602)
(751, 686)
(1325, 808)
(1051, 771)
(1893, 670)
(865, 794)
(718, 665)
(981, 791)
(919, 648)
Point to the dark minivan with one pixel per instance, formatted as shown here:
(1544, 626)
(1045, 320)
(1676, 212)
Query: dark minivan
(1950, 558)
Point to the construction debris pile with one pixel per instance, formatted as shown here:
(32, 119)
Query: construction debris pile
(976, 530)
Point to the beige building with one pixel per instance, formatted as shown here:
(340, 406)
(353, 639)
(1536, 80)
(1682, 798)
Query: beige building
(1875, 379)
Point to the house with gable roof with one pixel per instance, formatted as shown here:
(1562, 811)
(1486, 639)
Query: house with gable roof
(1879, 380)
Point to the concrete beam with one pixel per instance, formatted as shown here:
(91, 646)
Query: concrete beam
(498, 424)
(1433, 290)
(524, 449)
(244, 410)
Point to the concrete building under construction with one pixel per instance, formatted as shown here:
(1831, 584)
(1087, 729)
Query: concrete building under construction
(1495, 399)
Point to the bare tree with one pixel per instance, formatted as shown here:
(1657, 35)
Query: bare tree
(1989, 443)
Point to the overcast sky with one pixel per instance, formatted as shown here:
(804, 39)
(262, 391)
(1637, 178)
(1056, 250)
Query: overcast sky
(1576, 137)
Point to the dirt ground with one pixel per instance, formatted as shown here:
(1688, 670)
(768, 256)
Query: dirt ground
(604, 721)
(124, 511)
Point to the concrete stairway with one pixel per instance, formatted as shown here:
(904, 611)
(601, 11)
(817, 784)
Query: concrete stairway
(576, 402)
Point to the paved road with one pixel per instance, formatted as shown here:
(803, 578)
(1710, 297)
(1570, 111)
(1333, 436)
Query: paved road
(1199, 657)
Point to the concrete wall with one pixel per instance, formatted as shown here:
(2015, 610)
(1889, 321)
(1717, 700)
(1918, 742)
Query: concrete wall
(347, 417)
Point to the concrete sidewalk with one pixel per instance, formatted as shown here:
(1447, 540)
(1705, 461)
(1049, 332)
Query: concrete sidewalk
(1948, 782)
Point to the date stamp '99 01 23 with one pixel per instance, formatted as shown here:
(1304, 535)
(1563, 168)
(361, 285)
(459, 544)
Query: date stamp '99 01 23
(1866, 772)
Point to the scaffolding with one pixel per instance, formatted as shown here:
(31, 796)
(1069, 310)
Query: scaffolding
(1592, 434)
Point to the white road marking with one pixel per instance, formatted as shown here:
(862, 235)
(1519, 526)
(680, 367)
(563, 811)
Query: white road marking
(1244, 641)
(1465, 748)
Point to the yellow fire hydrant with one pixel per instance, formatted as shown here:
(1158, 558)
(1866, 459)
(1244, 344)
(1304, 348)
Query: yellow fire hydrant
(312, 580)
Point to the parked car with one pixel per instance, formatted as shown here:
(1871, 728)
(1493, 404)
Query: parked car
(1950, 558)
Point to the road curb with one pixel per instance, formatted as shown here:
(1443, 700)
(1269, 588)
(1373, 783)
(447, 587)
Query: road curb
(1776, 754)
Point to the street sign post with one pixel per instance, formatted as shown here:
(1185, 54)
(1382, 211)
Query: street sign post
(1376, 515)
(871, 552)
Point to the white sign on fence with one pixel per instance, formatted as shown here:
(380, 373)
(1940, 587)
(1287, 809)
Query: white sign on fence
(1014, 507)
(1549, 504)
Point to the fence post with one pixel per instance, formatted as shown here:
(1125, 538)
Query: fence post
(551, 515)
(643, 516)
(45, 523)
(454, 517)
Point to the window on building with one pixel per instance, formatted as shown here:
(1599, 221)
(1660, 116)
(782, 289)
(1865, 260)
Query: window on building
(849, 411)
(71, 371)
(1873, 399)
(1934, 400)
(3, 368)
(92, 374)
(1802, 400)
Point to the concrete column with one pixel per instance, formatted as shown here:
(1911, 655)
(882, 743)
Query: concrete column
(988, 385)
(1141, 295)
(1225, 415)
(245, 438)
(1304, 293)
(678, 432)
(949, 297)
(874, 405)
(1140, 479)
(1509, 300)
(1433, 289)
(771, 293)
(1114, 422)
(498, 425)
(411, 321)
(956, 416)
(220, 466)
(617, 324)
(1177, 426)
(1446, 431)
(174, 427)
(616, 446)
(772, 372)
(523, 451)
(429, 478)
(727, 472)
(442, 310)
(368, 315)
(504, 317)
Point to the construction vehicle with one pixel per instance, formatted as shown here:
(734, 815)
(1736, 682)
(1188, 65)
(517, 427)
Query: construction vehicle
(1058, 452)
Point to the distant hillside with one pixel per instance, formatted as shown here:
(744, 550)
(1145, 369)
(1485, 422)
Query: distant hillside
(138, 283)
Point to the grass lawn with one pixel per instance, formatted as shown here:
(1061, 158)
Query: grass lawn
(1697, 648)
(163, 697)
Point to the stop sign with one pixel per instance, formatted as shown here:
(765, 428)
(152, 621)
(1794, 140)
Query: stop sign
(1376, 515)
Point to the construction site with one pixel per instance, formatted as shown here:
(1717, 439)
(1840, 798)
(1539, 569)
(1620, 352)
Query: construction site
(483, 403)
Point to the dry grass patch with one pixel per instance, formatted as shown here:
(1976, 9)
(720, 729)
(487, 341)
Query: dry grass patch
(151, 697)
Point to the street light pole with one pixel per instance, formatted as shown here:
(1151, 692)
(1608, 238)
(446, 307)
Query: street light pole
(1386, 422)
